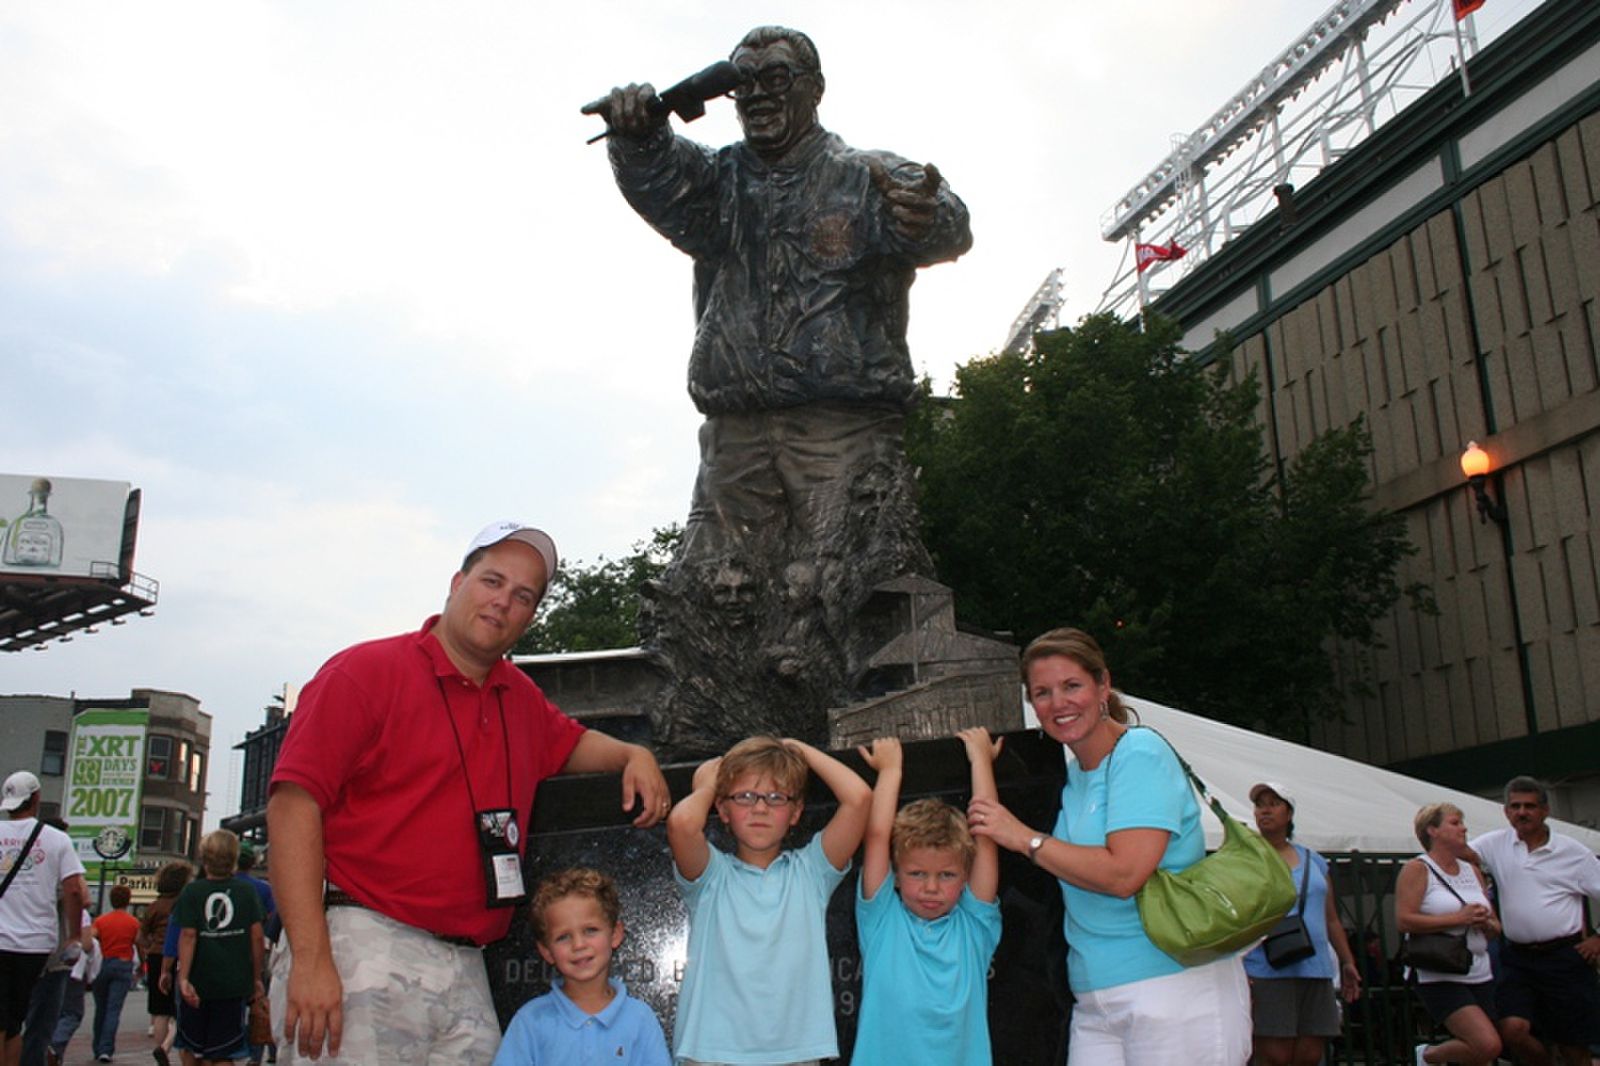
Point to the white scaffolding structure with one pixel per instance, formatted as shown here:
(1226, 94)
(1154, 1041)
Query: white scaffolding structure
(1041, 312)
(1281, 129)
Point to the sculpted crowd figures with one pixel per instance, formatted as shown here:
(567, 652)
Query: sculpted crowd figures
(804, 252)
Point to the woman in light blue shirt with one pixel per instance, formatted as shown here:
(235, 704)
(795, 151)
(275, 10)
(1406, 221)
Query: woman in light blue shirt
(1294, 1009)
(1127, 809)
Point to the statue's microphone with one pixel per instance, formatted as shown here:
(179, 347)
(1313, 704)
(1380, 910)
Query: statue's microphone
(687, 99)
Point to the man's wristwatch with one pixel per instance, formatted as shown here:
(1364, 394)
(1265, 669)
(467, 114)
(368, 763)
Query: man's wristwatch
(1035, 842)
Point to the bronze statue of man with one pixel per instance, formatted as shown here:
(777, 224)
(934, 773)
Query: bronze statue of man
(804, 253)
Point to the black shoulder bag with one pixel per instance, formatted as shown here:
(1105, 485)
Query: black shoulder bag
(1289, 941)
(1440, 952)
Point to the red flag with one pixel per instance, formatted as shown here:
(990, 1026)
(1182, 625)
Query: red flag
(1146, 254)
(1465, 7)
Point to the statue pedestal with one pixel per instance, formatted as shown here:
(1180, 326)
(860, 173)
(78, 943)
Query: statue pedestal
(577, 822)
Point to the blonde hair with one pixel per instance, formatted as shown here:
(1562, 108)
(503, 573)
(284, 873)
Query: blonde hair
(578, 881)
(931, 823)
(1082, 649)
(1431, 817)
(763, 756)
(219, 853)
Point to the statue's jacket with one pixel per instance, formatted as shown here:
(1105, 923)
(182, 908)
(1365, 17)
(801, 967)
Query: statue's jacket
(801, 285)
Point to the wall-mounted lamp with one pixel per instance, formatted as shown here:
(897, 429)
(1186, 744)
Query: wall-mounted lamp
(1475, 464)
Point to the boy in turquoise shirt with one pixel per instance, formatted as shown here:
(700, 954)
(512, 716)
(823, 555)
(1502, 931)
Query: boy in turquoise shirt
(756, 985)
(927, 920)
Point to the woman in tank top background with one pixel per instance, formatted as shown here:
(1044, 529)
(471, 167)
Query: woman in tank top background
(1438, 892)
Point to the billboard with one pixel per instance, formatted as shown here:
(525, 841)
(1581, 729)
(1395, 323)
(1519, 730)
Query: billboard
(62, 526)
(105, 782)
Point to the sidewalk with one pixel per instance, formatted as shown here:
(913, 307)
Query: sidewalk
(133, 1046)
(133, 1041)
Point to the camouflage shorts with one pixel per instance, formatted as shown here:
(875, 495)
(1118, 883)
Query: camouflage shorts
(409, 999)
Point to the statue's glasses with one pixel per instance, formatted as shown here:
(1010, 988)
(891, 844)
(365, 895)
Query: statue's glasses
(771, 799)
(774, 78)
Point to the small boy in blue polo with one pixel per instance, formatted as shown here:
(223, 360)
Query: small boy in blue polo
(587, 1018)
(927, 920)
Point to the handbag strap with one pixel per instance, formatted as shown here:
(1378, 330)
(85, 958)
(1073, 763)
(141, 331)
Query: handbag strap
(1305, 877)
(1434, 870)
(1194, 778)
(22, 856)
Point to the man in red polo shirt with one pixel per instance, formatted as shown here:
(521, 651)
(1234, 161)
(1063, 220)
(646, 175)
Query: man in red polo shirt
(397, 816)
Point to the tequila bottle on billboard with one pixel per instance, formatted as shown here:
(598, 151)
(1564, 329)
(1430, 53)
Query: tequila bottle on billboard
(34, 538)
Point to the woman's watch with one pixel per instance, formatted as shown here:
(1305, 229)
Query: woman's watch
(1035, 842)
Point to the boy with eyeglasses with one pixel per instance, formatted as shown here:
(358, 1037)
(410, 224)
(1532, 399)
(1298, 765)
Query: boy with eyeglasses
(927, 920)
(757, 987)
(587, 1016)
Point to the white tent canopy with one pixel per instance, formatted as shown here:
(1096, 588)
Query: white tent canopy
(1340, 804)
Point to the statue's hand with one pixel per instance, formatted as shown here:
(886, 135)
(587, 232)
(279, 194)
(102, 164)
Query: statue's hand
(629, 111)
(912, 204)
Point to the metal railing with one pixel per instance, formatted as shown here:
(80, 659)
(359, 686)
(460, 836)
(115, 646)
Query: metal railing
(1387, 1022)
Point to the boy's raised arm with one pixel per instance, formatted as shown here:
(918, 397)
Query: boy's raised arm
(842, 835)
(884, 756)
(686, 824)
(981, 753)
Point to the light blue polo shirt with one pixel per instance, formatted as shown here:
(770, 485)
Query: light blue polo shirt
(925, 985)
(1138, 786)
(756, 986)
(553, 1031)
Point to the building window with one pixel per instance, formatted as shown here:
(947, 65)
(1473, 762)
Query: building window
(54, 761)
(153, 829)
(49, 811)
(196, 765)
(158, 757)
(189, 826)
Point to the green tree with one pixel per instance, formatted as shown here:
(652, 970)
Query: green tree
(591, 607)
(1108, 480)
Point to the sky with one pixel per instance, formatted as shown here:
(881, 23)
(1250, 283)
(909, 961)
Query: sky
(337, 283)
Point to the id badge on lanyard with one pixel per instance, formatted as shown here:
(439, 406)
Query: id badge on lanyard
(502, 865)
(495, 827)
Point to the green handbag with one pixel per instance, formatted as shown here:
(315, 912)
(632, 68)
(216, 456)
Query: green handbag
(1224, 902)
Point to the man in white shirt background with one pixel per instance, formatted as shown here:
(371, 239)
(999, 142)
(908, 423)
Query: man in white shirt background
(1549, 992)
(36, 862)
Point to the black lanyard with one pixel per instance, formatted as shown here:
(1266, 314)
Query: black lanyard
(461, 753)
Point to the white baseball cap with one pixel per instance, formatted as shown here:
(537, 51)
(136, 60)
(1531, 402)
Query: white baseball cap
(537, 539)
(19, 789)
(1271, 786)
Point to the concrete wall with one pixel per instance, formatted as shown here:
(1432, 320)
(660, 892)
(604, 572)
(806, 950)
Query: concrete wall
(24, 720)
(1478, 324)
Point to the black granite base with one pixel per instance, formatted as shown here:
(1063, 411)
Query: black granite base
(577, 822)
